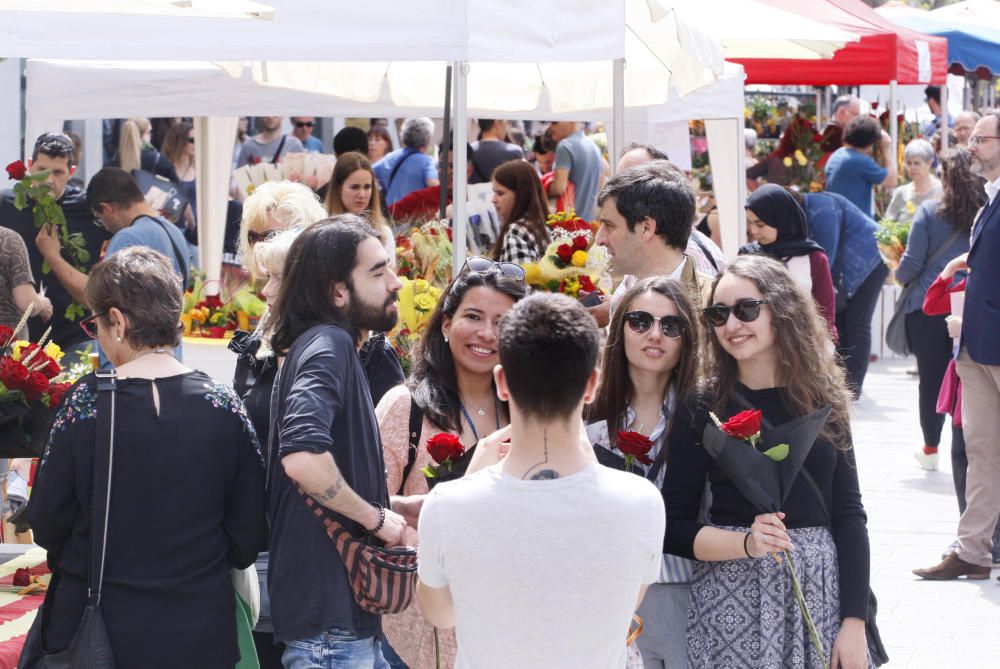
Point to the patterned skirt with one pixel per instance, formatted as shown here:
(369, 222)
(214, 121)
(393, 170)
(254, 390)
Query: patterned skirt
(743, 613)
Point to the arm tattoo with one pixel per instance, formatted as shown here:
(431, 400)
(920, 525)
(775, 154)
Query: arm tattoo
(326, 496)
(542, 474)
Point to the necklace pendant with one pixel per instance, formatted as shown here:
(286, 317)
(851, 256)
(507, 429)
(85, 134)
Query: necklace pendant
(482, 412)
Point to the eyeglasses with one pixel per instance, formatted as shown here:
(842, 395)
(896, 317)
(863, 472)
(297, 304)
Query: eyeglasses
(976, 140)
(640, 322)
(481, 265)
(304, 124)
(190, 140)
(89, 324)
(255, 237)
(746, 311)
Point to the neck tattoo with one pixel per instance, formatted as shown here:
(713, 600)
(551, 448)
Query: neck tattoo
(542, 474)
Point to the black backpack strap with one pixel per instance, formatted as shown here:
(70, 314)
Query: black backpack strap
(415, 428)
(395, 169)
(277, 154)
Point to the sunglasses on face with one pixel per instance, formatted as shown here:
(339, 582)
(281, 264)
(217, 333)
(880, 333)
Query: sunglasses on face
(640, 322)
(481, 265)
(255, 237)
(304, 124)
(89, 325)
(190, 140)
(745, 311)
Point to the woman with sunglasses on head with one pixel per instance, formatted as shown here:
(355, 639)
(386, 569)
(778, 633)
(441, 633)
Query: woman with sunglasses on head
(777, 227)
(450, 390)
(651, 359)
(766, 350)
(523, 208)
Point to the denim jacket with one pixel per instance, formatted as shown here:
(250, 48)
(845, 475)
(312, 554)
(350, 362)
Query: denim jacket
(829, 215)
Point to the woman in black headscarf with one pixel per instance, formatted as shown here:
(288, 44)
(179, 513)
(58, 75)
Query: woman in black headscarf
(777, 227)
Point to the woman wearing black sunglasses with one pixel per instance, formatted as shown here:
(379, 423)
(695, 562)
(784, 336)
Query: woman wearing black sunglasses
(767, 350)
(650, 360)
(451, 390)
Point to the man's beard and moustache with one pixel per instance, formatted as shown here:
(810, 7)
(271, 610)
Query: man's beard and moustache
(377, 318)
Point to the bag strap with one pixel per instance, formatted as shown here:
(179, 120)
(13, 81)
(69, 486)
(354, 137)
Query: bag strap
(706, 252)
(277, 154)
(178, 255)
(100, 507)
(395, 169)
(415, 428)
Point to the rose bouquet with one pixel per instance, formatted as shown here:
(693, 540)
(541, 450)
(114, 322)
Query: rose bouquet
(417, 300)
(450, 458)
(572, 262)
(32, 383)
(763, 467)
(635, 446)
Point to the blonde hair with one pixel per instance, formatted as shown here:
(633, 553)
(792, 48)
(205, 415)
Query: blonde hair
(286, 203)
(130, 143)
(269, 256)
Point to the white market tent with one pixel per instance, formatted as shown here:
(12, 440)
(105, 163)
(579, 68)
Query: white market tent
(447, 30)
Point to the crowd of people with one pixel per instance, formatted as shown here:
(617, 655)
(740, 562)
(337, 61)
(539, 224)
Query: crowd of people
(540, 398)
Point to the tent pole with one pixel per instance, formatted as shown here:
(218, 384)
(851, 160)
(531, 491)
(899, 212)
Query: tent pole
(617, 138)
(893, 121)
(944, 116)
(446, 143)
(829, 104)
(459, 219)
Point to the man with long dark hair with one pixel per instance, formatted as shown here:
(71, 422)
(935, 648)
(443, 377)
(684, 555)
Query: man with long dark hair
(337, 286)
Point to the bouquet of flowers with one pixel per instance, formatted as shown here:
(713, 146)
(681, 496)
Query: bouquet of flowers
(892, 237)
(804, 172)
(209, 315)
(417, 300)
(48, 212)
(425, 253)
(449, 456)
(31, 385)
(572, 262)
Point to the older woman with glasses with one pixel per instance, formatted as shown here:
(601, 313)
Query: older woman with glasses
(187, 498)
(450, 391)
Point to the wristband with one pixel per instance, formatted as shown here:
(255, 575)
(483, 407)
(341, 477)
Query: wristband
(381, 520)
(746, 548)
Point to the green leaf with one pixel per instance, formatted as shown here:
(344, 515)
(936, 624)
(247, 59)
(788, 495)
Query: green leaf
(20, 200)
(40, 176)
(778, 453)
(429, 472)
(39, 217)
(74, 311)
(82, 256)
(46, 267)
(19, 187)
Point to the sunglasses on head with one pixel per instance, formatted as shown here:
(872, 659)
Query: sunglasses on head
(89, 325)
(255, 237)
(640, 322)
(481, 265)
(304, 124)
(745, 311)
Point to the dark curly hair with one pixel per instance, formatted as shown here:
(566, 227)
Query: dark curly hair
(963, 192)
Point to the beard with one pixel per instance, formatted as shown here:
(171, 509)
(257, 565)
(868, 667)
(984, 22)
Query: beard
(367, 316)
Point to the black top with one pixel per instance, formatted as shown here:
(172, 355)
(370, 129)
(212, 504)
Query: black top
(322, 405)
(187, 504)
(833, 470)
(381, 365)
(78, 219)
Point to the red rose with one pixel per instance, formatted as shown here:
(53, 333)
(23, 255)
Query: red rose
(56, 392)
(445, 447)
(13, 374)
(586, 285)
(635, 445)
(743, 425)
(35, 386)
(213, 301)
(565, 253)
(5, 334)
(50, 368)
(22, 578)
(16, 170)
(580, 243)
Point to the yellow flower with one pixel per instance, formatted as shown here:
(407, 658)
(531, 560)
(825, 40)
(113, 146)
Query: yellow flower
(910, 207)
(53, 351)
(15, 352)
(800, 157)
(787, 161)
(424, 302)
(532, 274)
(420, 286)
(579, 258)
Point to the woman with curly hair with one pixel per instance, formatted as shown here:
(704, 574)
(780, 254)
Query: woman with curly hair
(939, 233)
(766, 349)
(651, 360)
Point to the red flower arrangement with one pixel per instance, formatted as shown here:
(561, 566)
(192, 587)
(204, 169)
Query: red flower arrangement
(445, 449)
(16, 170)
(635, 446)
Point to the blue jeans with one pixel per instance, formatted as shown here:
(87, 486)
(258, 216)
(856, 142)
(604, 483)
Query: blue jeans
(335, 649)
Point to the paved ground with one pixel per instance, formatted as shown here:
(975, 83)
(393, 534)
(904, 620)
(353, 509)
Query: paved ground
(912, 517)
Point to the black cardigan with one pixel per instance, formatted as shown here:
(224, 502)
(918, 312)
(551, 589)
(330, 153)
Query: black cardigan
(834, 471)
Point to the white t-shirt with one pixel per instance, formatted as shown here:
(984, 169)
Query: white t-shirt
(543, 573)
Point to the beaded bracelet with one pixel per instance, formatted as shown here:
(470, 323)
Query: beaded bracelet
(381, 520)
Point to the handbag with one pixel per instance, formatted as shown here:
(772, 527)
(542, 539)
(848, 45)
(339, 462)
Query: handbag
(161, 194)
(895, 333)
(383, 580)
(91, 646)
